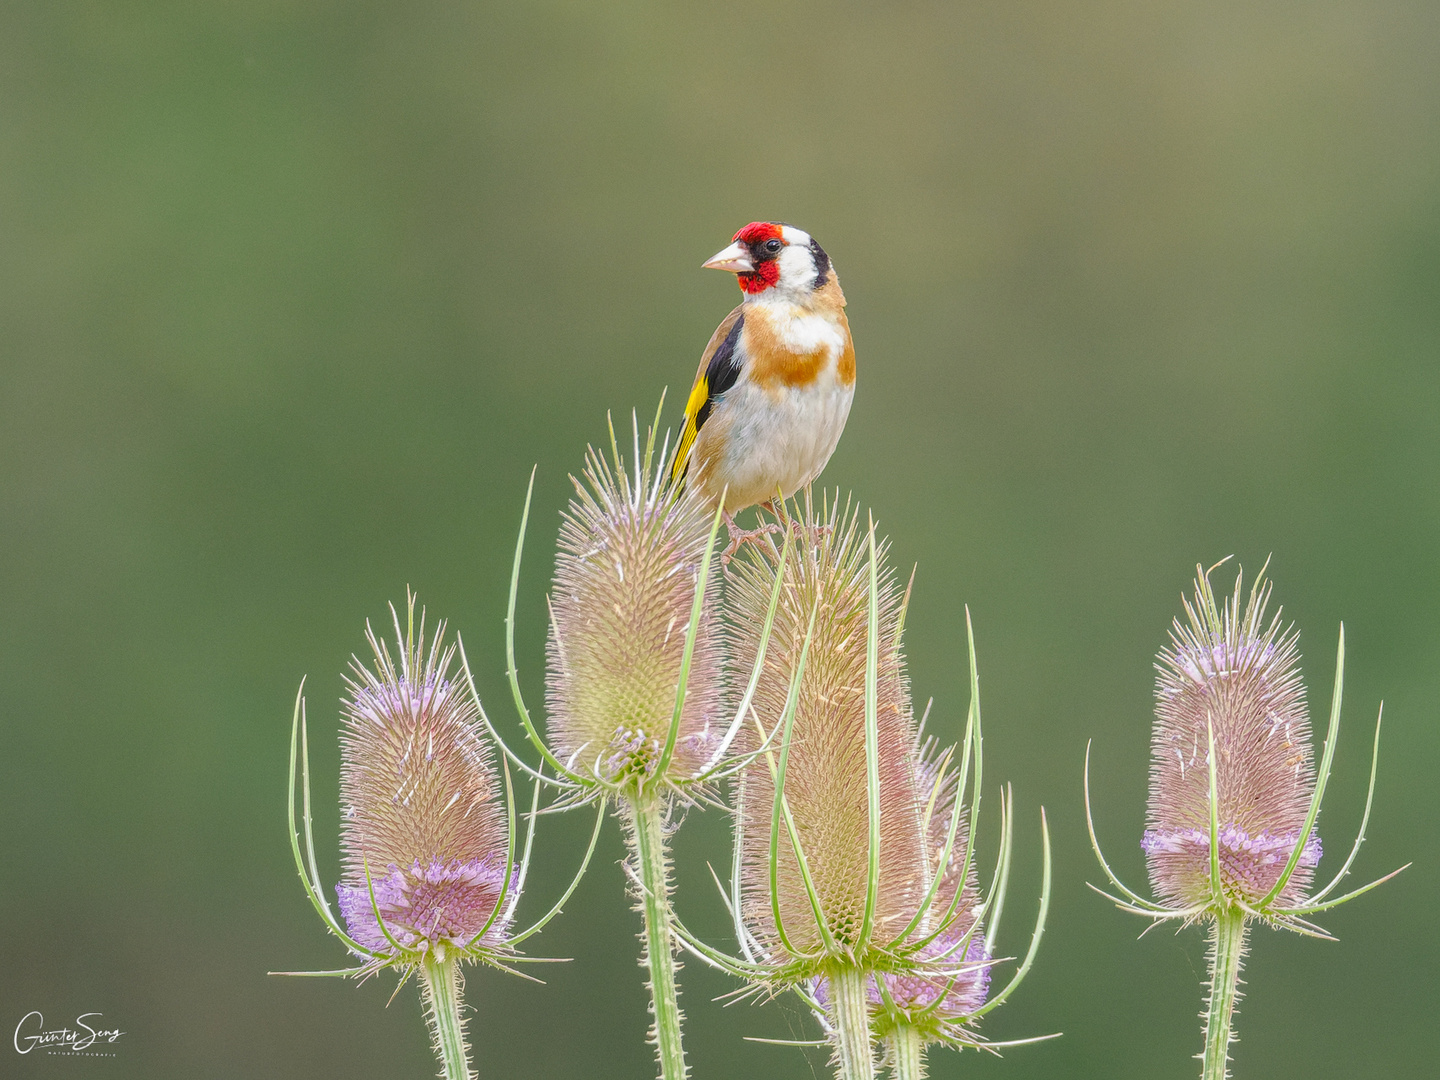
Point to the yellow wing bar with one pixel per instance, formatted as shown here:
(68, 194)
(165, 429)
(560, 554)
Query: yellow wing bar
(698, 396)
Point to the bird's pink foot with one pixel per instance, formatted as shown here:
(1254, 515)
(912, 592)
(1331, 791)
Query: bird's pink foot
(815, 533)
(740, 536)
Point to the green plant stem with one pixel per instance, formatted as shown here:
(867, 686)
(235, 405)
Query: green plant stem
(653, 865)
(441, 981)
(909, 1050)
(852, 1023)
(1227, 949)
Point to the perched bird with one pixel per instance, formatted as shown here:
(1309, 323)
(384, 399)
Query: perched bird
(776, 380)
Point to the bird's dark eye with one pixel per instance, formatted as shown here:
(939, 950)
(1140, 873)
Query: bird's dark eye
(773, 246)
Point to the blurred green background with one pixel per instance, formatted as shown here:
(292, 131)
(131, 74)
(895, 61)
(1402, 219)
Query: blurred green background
(293, 295)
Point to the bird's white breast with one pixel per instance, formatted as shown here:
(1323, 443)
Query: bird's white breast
(778, 439)
(767, 433)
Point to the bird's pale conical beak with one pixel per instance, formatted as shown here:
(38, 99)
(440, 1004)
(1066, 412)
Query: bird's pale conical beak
(735, 258)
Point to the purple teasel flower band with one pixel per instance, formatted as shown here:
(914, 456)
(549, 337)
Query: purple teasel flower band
(1253, 863)
(438, 902)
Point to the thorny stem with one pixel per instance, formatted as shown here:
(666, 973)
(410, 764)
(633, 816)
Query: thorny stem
(1227, 949)
(908, 1047)
(852, 1023)
(441, 982)
(648, 837)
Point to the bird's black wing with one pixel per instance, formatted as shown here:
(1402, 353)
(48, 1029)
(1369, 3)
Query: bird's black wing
(719, 368)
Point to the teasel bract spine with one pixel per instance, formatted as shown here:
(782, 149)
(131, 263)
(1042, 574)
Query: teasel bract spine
(431, 876)
(852, 877)
(639, 713)
(1234, 791)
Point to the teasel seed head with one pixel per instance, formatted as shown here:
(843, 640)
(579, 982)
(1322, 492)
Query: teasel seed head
(1230, 675)
(826, 771)
(423, 831)
(1234, 791)
(854, 881)
(629, 560)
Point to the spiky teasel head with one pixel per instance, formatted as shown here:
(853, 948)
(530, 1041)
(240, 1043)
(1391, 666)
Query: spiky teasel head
(1231, 758)
(855, 878)
(1233, 676)
(423, 829)
(1234, 791)
(849, 907)
(427, 829)
(633, 553)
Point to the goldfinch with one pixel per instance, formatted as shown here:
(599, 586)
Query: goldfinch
(777, 378)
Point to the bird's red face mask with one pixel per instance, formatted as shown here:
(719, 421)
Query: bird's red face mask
(751, 258)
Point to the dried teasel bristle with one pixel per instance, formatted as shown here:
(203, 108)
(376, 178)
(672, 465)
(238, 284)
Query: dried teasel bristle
(629, 560)
(422, 826)
(1229, 672)
(825, 783)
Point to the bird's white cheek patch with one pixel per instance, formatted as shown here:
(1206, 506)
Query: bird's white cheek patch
(797, 268)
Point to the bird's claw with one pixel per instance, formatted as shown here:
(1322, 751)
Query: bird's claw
(739, 536)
